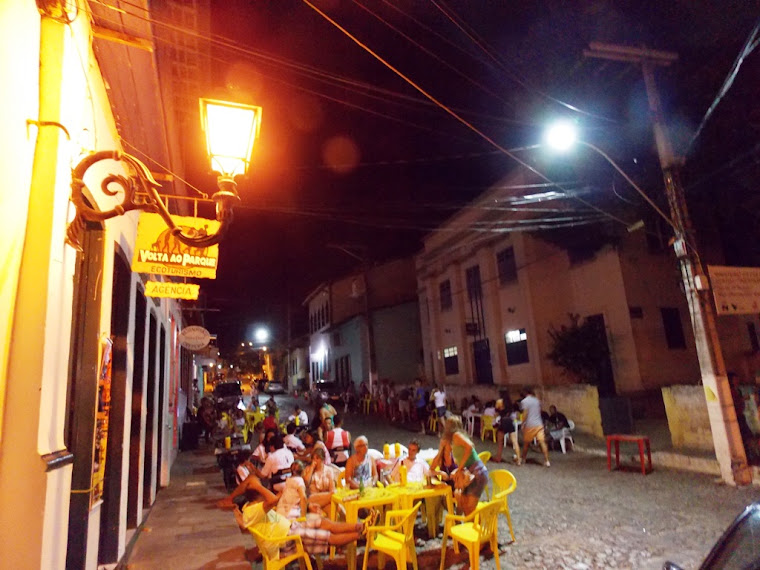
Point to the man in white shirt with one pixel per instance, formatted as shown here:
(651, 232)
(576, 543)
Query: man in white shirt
(416, 469)
(533, 424)
(277, 465)
(291, 441)
(303, 418)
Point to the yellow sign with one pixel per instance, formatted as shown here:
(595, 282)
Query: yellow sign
(172, 290)
(158, 252)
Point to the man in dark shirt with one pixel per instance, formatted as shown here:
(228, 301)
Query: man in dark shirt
(557, 420)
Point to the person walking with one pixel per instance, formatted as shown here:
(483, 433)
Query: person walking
(439, 400)
(420, 404)
(533, 424)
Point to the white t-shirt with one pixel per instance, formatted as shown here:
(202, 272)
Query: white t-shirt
(303, 419)
(277, 460)
(416, 470)
(292, 442)
(490, 411)
(532, 408)
(439, 398)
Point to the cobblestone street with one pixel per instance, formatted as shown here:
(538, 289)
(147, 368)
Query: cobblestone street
(573, 515)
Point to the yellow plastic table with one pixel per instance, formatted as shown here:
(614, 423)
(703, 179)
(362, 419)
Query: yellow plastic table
(413, 492)
(372, 497)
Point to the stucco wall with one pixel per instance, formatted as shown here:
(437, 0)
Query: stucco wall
(688, 420)
(579, 403)
(398, 343)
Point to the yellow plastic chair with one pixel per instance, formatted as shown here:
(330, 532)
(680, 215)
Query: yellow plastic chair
(472, 532)
(394, 540)
(340, 481)
(503, 483)
(433, 421)
(486, 424)
(265, 544)
(484, 456)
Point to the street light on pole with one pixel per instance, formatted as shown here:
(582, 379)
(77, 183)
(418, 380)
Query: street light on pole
(729, 448)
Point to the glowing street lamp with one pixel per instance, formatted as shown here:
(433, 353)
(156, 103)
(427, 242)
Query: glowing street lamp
(561, 136)
(230, 129)
(261, 335)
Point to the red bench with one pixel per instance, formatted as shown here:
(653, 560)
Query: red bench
(641, 440)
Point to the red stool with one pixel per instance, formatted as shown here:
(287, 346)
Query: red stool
(641, 440)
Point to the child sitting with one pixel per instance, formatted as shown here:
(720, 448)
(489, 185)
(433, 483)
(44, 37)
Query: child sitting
(293, 497)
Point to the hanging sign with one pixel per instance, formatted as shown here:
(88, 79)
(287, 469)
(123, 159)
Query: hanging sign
(736, 290)
(158, 252)
(194, 337)
(168, 289)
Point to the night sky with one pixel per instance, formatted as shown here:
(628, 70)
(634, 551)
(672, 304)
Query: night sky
(351, 154)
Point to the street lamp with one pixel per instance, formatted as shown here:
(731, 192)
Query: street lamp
(729, 448)
(261, 335)
(231, 130)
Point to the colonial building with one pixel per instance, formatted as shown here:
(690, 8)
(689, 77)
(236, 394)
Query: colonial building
(93, 382)
(489, 298)
(366, 316)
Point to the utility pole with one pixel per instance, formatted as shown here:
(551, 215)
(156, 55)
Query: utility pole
(369, 327)
(729, 448)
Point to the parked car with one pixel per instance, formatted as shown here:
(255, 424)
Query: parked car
(329, 391)
(274, 387)
(228, 394)
(738, 548)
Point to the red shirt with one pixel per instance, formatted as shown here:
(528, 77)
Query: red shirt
(269, 423)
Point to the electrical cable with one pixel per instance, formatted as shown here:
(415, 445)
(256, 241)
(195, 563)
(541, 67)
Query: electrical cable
(745, 51)
(434, 56)
(522, 82)
(450, 111)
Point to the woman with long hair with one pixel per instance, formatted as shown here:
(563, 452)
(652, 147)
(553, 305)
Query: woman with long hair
(471, 477)
(320, 482)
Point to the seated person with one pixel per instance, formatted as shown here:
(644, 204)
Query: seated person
(320, 482)
(338, 442)
(292, 501)
(291, 440)
(238, 418)
(490, 409)
(417, 469)
(301, 416)
(270, 422)
(277, 466)
(361, 470)
(311, 443)
(271, 406)
(317, 533)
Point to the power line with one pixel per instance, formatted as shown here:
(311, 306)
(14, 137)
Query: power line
(745, 51)
(449, 110)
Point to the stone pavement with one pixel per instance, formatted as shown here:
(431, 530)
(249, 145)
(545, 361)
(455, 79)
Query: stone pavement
(573, 515)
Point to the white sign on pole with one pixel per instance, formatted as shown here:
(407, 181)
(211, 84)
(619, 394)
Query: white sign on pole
(736, 290)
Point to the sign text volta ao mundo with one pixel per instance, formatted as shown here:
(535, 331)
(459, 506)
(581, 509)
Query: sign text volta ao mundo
(158, 252)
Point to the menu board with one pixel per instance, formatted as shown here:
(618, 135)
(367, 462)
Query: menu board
(101, 421)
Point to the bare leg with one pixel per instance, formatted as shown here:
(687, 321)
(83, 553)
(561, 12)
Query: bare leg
(500, 437)
(340, 527)
(321, 499)
(515, 446)
(341, 539)
(468, 503)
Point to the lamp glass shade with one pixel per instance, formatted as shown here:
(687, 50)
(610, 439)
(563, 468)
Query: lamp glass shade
(231, 129)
